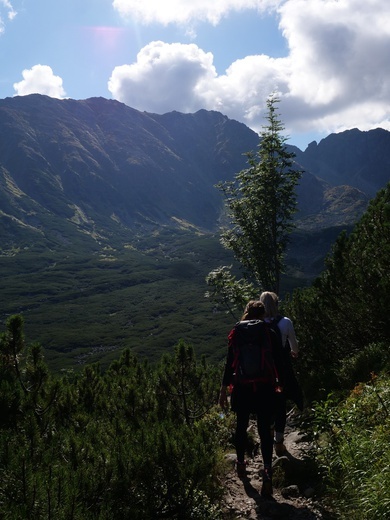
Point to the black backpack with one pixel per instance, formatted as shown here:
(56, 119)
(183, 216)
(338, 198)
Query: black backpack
(253, 353)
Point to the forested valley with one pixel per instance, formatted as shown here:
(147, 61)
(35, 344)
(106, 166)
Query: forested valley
(145, 440)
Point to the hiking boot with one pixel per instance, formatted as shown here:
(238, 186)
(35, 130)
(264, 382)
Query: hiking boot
(280, 449)
(266, 488)
(241, 469)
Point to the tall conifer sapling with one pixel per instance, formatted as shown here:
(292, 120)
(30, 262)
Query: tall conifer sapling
(261, 202)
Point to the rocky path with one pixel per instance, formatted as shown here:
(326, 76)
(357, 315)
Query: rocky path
(294, 487)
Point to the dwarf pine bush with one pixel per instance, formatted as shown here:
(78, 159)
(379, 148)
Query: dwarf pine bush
(124, 443)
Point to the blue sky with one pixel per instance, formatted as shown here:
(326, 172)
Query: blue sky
(328, 60)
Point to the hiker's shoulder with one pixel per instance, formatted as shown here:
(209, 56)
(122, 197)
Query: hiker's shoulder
(283, 320)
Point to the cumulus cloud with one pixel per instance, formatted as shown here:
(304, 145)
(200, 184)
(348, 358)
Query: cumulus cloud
(336, 73)
(339, 53)
(165, 77)
(40, 79)
(184, 11)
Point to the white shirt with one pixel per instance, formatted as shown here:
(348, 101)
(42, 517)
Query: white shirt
(288, 333)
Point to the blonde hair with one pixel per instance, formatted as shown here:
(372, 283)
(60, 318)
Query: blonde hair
(254, 310)
(270, 301)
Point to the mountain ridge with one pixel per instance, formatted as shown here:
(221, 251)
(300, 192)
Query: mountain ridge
(121, 158)
(348, 158)
(100, 169)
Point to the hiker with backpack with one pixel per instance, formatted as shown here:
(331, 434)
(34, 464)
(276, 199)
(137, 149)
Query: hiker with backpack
(286, 334)
(254, 373)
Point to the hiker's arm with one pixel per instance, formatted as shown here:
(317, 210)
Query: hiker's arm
(227, 378)
(292, 340)
(223, 400)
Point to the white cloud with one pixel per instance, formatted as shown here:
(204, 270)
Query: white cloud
(336, 74)
(335, 45)
(6, 6)
(165, 77)
(184, 11)
(242, 91)
(40, 79)
(11, 13)
(182, 77)
(339, 52)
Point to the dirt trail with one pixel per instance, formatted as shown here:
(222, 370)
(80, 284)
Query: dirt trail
(294, 487)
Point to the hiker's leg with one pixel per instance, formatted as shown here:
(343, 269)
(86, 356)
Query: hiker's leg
(265, 415)
(267, 442)
(280, 417)
(241, 433)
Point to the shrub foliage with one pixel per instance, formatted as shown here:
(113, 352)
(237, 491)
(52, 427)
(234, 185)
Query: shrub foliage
(352, 440)
(132, 442)
(343, 325)
(345, 311)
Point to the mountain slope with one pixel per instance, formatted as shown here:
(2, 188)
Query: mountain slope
(354, 158)
(97, 171)
(104, 166)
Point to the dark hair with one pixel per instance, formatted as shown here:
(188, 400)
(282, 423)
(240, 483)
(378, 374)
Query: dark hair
(254, 310)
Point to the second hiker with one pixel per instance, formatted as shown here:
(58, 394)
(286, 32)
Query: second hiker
(292, 390)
